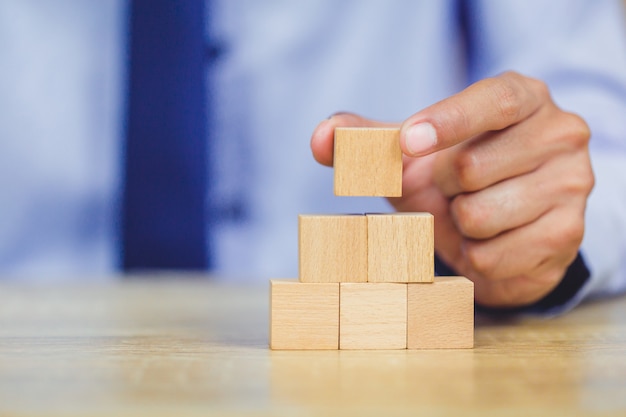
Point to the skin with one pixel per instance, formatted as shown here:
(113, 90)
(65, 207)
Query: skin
(507, 178)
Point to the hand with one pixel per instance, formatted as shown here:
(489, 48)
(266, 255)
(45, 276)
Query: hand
(506, 174)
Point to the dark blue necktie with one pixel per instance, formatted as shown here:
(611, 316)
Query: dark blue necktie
(163, 214)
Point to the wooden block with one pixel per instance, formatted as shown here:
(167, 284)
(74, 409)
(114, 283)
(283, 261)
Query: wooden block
(372, 316)
(368, 162)
(303, 315)
(400, 247)
(441, 314)
(333, 248)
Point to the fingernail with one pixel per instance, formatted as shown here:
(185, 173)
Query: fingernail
(420, 138)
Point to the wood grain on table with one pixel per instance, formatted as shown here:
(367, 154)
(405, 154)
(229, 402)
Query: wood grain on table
(190, 347)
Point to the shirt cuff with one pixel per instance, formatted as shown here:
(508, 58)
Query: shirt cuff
(559, 298)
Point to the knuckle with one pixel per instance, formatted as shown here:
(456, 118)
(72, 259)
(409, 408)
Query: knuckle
(540, 89)
(569, 236)
(470, 216)
(479, 259)
(466, 165)
(581, 178)
(581, 184)
(577, 131)
(573, 232)
(508, 96)
(591, 179)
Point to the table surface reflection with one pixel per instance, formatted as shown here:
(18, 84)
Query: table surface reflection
(194, 347)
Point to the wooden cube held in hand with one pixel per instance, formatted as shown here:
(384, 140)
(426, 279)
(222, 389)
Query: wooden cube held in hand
(368, 162)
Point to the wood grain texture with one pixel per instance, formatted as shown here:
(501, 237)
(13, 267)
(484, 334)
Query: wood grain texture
(171, 346)
(372, 316)
(400, 247)
(368, 162)
(441, 314)
(303, 315)
(332, 248)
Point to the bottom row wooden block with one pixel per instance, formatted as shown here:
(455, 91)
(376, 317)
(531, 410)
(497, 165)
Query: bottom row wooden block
(372, 315)
(304, 315)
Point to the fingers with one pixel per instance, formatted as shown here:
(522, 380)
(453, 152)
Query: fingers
(521, 265)
(496, 156)
(488, 105)
(519, 236)
(528, 250)
(521, 200)
(322, 140)
(487, 160)
(504, 206)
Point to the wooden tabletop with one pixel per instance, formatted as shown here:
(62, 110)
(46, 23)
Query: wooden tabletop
(189, 347)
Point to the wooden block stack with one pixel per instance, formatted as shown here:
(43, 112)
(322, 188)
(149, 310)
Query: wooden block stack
(367, 281)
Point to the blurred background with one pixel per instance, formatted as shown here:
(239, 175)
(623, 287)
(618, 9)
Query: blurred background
(63, 119)
(276, 70)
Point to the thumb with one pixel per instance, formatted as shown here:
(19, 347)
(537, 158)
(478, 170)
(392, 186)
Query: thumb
(487, 105)
(323, 138)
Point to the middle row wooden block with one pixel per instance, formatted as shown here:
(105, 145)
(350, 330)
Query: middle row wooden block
(396, 247)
